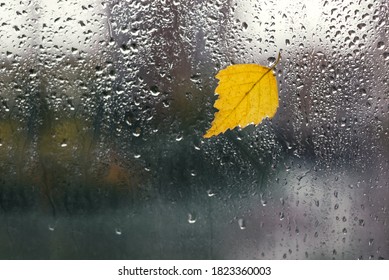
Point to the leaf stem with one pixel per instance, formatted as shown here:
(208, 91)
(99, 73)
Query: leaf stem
(277, 61)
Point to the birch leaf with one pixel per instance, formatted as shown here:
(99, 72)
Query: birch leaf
(247, 94)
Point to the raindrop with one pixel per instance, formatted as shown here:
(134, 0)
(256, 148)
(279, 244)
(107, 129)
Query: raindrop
(134, 47)
(118, 231)
(137, 131)
(380, 45)
(192, 218)
(210, 193)
(263, 201)
(196, 78)
(64, 144)
(124, 49)
(33, 73)
(242, 224)
(361, 25)
(155, 91)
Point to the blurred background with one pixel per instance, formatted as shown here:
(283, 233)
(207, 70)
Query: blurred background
(103, 105)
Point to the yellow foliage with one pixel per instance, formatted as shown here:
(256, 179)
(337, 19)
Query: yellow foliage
(247, 94)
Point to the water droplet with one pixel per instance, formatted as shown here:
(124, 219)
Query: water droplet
(263, 201)
(125, 49)
(192, 218)
(196, 78)
(380, 45)
(155, 91)
(361, 26)
(242, 224)
(282, 216)
(64, 144)
(386, 55)
(118, 231)
(137, 131)
(210, 193)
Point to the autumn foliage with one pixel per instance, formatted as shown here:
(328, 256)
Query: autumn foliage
(247, 94)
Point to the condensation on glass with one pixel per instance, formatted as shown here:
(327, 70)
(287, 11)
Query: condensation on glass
(103, 105)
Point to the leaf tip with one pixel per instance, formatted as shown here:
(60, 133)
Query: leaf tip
(208, 134)
(211, 132)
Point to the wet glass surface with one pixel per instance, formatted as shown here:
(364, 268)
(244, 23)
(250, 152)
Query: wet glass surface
(103, 105)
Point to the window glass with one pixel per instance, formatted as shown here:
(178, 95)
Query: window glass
(103, 108)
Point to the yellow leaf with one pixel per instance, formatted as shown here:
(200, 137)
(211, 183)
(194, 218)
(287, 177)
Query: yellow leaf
(247, 94)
